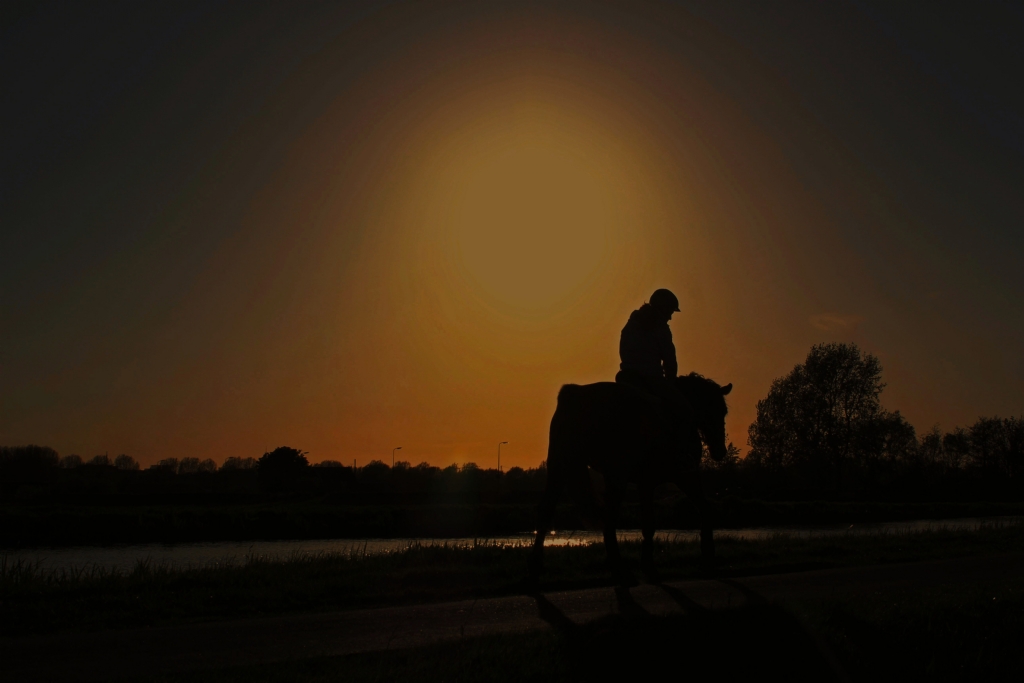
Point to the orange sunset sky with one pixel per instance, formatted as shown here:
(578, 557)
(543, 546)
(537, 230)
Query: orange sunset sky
(348, 227)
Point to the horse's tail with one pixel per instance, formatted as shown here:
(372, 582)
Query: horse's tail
(566, 460)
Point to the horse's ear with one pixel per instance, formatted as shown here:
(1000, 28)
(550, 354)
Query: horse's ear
(726, 389)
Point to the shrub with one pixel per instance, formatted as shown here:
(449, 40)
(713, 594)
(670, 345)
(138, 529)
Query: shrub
(70, 462)
(167, 465)
(126, 463)
(235, 463)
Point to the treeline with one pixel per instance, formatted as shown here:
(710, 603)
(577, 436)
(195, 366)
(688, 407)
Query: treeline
(976, 463)
(821, 433)
(35, 474)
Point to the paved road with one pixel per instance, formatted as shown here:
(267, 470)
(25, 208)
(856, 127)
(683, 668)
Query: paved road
(105, 655)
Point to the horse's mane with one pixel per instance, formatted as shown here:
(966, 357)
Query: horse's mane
(697, 384)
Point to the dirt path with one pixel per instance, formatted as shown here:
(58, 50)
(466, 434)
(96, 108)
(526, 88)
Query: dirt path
(116, 654)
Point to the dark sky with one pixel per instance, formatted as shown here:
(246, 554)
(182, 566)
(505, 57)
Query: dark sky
(223, 224)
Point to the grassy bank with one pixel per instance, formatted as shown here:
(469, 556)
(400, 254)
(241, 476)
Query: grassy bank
(34, 601)
(23, 526)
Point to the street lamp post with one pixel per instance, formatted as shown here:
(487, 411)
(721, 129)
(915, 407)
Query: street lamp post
(503, 443)
(397, 448)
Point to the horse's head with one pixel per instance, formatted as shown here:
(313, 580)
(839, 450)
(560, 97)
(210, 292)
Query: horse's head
(707, 398)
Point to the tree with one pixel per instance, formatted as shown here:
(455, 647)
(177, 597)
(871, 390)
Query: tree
(281, 467)
(823, 414)
(26, 464)
(126, 463)
(956, 446)
(996, 446)
(1015, 447)
(931, 451)
(987, 439)
(890, 438)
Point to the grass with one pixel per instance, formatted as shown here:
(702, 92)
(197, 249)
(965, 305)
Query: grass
(33, 600)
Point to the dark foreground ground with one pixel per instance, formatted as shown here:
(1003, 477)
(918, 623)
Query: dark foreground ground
(957, 619)
(948, 605)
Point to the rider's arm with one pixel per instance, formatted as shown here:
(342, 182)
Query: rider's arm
(668, 356)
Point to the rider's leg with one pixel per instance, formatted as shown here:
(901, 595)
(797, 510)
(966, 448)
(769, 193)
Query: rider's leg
(682, 432)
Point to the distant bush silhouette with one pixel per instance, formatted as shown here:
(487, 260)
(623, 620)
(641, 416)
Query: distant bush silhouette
(188, 465)
(195, 466)
(169, 465)
(70, 462)
(235, 463)
(281, 467)
(126, 463)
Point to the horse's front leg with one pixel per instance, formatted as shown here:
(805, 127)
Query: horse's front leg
(690, 484)
(647, 523)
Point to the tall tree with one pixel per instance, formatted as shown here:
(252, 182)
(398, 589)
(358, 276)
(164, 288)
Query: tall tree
(823, 413)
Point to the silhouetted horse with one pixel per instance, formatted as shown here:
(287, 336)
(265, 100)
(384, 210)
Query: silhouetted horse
(622, 434)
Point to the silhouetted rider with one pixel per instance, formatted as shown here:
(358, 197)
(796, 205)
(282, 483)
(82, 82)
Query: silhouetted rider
(645, 347)
(649, 358)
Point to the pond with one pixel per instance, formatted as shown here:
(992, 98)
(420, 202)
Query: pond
(124, 557)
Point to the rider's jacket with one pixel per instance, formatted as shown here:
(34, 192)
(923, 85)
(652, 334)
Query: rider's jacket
(645, 346)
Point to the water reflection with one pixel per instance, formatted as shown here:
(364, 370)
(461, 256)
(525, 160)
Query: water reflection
(125, 557)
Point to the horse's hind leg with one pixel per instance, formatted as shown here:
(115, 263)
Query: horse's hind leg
(707, 533)
(613, 498)
(647, 524)
(545, 518)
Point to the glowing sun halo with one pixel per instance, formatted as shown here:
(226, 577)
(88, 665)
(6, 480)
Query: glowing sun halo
(529, 227)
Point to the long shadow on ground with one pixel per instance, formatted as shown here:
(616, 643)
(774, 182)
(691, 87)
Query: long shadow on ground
(749, 643)
(756, 640)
